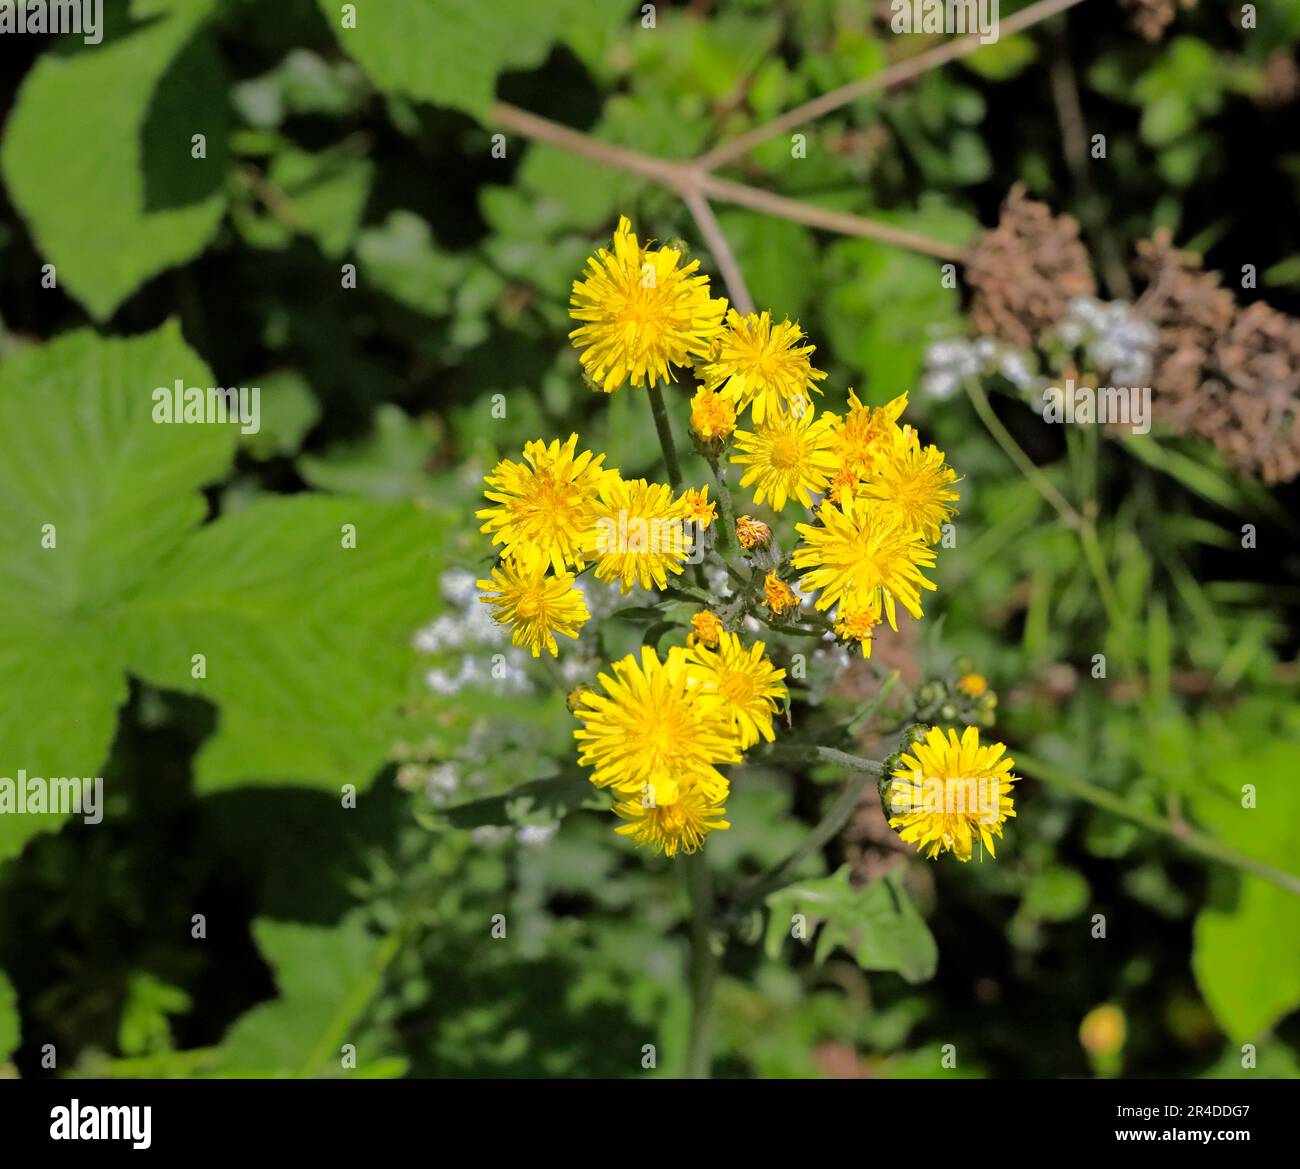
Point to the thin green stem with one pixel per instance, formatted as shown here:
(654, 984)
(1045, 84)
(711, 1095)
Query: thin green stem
(1190, 838)
(726, 531)
(1012, 449)
(660, 412)
(828, 827)
(704, 967)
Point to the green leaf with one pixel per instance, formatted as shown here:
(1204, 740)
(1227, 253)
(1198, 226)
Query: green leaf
(555, 797)
(289, 411)
(883, 309)
(390, 464)
(877, 924)
(326, 978)
(97, 155)
(402, 260)
(449, 52)
(79, 452)
(780, 260)
(307, 641)
(327, 194)
(144, 1026)
(10, 1033)
(102, 573)
(1246, 948)
(1004, 59)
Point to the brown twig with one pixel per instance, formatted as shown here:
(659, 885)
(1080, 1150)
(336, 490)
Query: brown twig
(724, 257)
(687, 179)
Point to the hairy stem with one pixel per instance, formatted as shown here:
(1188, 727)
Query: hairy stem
(665, 430)
(704, 968)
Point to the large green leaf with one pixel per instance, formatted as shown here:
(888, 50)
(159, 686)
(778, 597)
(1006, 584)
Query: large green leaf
(97, 154)
(79, 452)
(877, 924)
(449, 52)
(326, 978)
(307, 642)
(305, 639)
(1246, 953)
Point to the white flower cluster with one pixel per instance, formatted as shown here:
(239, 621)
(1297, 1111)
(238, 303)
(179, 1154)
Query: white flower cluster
(468, 625)
(950, 361)
(1113, 338)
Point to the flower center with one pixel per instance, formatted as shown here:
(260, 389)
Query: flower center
(785, 452)
(530, 604)
(737, 687)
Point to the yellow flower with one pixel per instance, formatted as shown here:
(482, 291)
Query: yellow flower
(670, 828)
(546, 505)
(1103, 1031)
(707, 627)
(862, 557)
(858, 626)
(643, 313)
(745, 679)
(534, 605)
(788, 457)
(778, 595)
(713, 418)
(699, 509)
(638, 533)
(866, 433)
(915, 484)
(844, 484)
(973, 685)
(754, 362)
(946, 792)
(652, 733)
(752, 533)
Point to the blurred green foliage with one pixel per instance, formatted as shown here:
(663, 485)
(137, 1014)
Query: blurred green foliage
(348, 242)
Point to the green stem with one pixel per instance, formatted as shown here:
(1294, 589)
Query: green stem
(704, 968)
(726, 532)
(660, 412)
(828, 827)
(1190, 838)
(1040, 482)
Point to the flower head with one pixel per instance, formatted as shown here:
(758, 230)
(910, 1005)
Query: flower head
(713, 417)
(756, 362)
(778, 596)
(643, 311)
(638, 534)
(948, 791)
(653, 732)
(752, 533)
(546, 503)
(858, 625)
(972, 685)
(866, 434)
(680, 826)
(745, 679)
(862, 557)
(700, 509)
(787, 457)
(534, 605)
(706, 629)
(915, 484)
